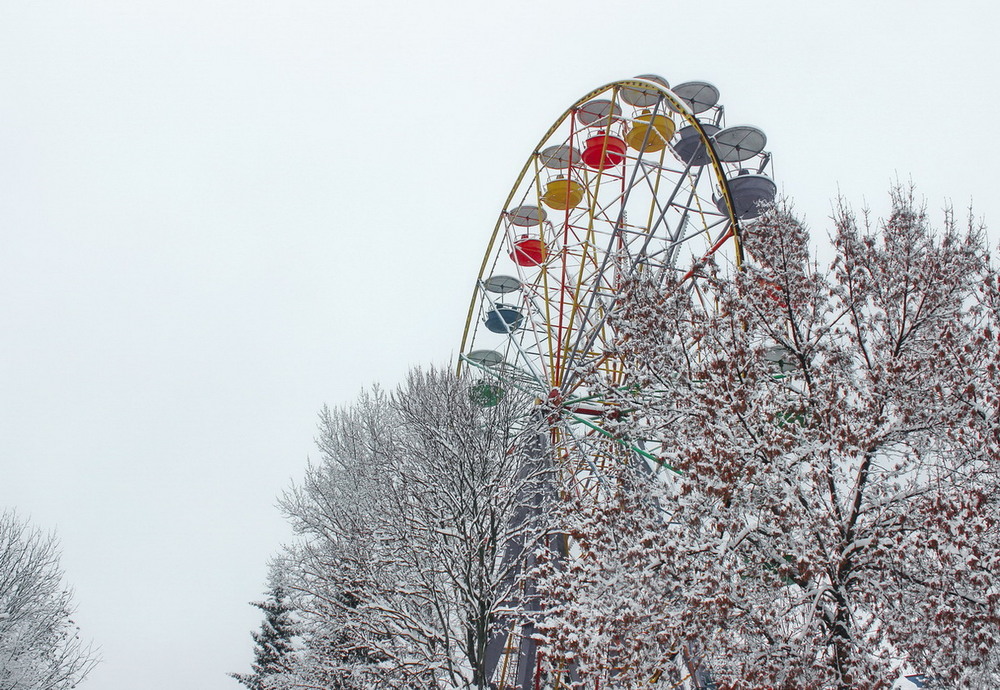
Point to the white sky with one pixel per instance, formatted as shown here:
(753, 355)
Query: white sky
(219, 215)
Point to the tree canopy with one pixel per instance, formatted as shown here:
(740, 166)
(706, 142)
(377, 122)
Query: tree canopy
(835, 515)
(40, 646)
(412, 526)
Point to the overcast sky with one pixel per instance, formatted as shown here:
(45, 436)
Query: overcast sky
(219, 215)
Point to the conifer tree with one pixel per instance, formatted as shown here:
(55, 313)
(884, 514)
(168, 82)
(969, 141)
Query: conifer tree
(273, 644)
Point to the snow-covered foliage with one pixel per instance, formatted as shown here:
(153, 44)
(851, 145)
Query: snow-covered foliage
(615, 609)
(40, 648)
(838, 434)
(403, 569)
(274, 647)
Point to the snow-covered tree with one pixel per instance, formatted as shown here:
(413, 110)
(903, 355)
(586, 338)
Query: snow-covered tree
(836, 516)
(611, 617)
(274, 646)
(407, 523)
(40, 647)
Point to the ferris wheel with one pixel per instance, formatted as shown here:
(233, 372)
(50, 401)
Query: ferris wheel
(635, 179)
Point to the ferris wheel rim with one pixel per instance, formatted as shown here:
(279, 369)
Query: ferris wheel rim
(674, 103)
